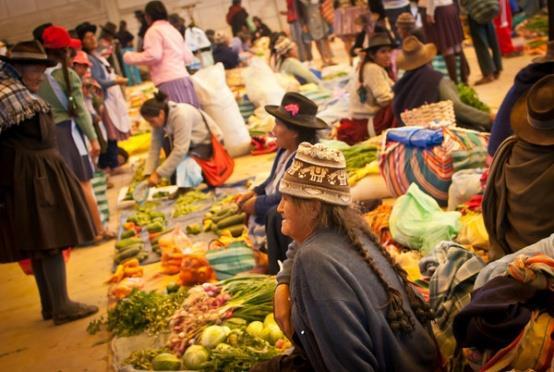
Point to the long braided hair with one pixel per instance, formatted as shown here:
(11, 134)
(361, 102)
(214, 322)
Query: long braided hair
(349, 222)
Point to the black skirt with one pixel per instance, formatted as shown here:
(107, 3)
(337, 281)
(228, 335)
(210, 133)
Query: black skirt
(79, 164)
(447, 31)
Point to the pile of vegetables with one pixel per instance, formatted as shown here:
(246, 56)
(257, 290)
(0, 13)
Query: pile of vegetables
(145, 217)
(188, 203)
(137, 177)
(469, 96)
(358, 156)
(129, 249)
(195, 269)
(129, 269)
(141, 311)
(225, 217)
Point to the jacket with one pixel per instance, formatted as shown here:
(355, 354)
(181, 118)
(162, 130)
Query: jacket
(165, 53)
(186, 127)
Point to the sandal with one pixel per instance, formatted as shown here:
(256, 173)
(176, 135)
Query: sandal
(485, 80)
(82, 311)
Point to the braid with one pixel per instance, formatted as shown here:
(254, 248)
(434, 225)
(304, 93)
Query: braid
(350, 223)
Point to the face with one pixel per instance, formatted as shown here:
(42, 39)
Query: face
(157, 121)
(89, 41)
(383, 57)
(286, 138)
(148, 19)
(32, 76)
(293, 52)
(298, 221)
(80, 69)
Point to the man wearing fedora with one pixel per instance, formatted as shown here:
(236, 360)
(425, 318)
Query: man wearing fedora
(518, 201)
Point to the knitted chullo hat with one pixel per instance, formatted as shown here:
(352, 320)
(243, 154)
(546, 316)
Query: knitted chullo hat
(317, 172)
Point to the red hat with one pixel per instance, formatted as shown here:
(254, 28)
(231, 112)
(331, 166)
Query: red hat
(57, 37)
(81, 58)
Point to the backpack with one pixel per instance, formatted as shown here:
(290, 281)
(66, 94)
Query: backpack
(482, 11)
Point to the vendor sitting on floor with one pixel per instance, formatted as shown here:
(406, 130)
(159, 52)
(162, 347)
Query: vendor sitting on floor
(421, 84)
(223, 53)
(350, 306)
(286, 61)
(189, 130)
(518, 201)
(295, 122)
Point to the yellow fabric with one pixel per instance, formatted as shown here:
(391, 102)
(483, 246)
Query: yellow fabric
(136, 144)
(473, 231)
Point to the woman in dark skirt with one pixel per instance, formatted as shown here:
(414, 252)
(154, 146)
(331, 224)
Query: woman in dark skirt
(42, 207)
(443, 28)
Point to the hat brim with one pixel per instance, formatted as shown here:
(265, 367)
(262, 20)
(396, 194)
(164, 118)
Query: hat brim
(374, 47)
(425, 56)
(523, 129)
(29, 61)
(281, 114)
(74, 43)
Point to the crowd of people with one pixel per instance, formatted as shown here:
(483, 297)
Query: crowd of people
(341, 298)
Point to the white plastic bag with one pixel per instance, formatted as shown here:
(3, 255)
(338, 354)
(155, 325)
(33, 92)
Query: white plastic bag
(262, 86)
(218, 102)
(465, 184)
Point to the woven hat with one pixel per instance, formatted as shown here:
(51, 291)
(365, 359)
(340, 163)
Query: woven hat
(283, 45)
(297, 110)
(83, 28)
(405, 19)
(379, 40)
(28, 53)
(57, 37)
(532, 116)
(319, 173)
(415, 54)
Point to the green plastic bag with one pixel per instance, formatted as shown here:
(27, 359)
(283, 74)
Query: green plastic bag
(418, 222)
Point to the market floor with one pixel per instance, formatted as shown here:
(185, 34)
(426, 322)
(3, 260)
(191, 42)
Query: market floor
(30, 344)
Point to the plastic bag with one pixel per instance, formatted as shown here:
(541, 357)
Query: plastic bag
(416, 137)
(473, 231)
(418, 222)
(262, 86)
(465, 184)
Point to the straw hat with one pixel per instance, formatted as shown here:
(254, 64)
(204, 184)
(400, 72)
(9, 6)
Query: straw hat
(532, 116)
(283, 45)
(319, 173)
(28, 53)
(297, 110)
(405, 19)
(415, 54)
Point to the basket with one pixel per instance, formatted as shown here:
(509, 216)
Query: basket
(434, 115)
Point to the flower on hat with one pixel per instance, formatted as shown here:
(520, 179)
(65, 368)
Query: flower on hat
(292, 109)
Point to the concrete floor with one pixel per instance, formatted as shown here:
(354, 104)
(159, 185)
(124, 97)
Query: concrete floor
(30, 344)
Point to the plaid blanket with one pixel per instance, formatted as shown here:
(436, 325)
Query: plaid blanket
(17, 103)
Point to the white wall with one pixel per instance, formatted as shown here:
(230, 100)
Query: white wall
(19, 17)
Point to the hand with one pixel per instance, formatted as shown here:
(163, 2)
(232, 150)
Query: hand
(244, 197)
(154, 179)
(430, 18)
(282, 308)
(249, 207)
(121, 80)
(94, 148)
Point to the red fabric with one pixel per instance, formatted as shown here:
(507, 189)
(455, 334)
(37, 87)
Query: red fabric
(220, 167)
(27, 267)
(292, 13)
(352, 131)
(233, 10)
(504, 32)
(57, 37)
(384, 119)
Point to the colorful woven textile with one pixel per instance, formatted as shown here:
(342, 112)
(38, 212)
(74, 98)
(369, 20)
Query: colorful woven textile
(99, 185)
(432, 169)
(537, 270)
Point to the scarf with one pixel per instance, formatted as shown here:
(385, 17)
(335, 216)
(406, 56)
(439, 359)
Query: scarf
(517, 205)
(416, 88)
(17, 103)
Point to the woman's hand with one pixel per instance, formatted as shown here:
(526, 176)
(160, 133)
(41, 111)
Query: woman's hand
(121, 80)
(249, 207)
(94, 148)
(282, 308)
(154, 179)
(244, 197)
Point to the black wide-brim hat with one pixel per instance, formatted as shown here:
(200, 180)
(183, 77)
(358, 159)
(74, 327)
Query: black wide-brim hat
(28, 53)
(85, 27)
(297, 110)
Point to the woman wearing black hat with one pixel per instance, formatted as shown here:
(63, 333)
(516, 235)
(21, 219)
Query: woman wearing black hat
(42, 207)
(295, 122)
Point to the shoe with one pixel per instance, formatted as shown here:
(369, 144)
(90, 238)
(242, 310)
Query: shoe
(485, 80)
(46, 314)
(497, 74)
(81, 311)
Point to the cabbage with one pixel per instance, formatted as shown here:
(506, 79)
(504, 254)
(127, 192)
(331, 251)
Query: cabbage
(195, 357)
(255, 329)
(213, 335)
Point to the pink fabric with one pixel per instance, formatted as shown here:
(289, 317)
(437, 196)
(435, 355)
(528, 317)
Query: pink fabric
(165, 53)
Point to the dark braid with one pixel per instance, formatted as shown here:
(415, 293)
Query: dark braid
(349, 222)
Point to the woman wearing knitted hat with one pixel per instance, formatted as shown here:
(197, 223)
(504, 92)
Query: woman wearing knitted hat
(286, 61)
(351, 307)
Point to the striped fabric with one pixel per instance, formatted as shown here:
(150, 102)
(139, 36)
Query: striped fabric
(99, 185)
(229, 261)
(246, 108)
(440, 65)
(432, 169)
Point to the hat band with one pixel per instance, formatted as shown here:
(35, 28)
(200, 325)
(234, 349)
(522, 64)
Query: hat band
(28, 55)
(540, 124)
(302, 117)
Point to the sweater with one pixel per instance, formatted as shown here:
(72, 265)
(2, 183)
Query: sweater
(165, 53)
(294, 67)
(378, 85)
(83, 118)
(338, 310)
(186, 128)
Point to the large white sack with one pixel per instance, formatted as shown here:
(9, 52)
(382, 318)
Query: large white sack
(262, 86)
(218, 101)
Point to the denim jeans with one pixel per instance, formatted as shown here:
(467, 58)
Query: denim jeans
(484, 38)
